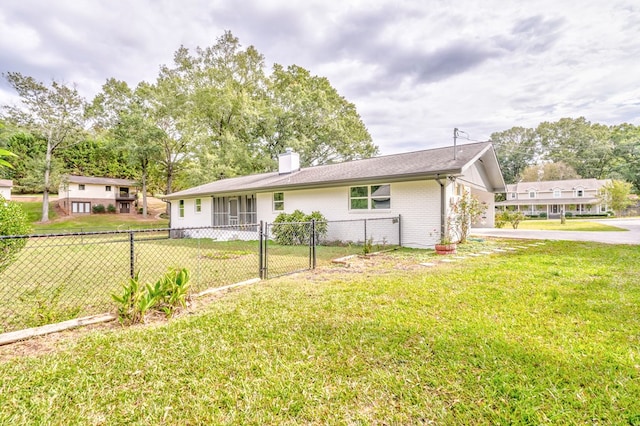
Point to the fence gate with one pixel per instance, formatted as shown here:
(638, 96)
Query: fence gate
(286, 247)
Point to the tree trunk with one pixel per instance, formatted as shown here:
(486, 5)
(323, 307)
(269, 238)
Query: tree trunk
(47, 177)
(169, 188)
(144, 194)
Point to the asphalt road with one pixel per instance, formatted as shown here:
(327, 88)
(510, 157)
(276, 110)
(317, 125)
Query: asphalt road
(632, 236)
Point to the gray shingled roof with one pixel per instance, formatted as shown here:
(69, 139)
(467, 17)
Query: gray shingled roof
(565, 185)
(99, 180)
(405, 166)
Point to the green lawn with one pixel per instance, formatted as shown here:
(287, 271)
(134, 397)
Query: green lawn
(58, 278)
(94, 222)
(544, 335)
(569, 225)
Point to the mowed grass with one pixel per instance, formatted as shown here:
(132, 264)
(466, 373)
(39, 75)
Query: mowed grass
(544, 335)
(569, 225)
(84, 223)
(57, 278)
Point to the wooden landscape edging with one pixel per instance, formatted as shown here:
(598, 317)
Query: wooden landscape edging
(14, 336)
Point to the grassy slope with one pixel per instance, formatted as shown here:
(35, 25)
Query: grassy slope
(544, 335)
(84, 223)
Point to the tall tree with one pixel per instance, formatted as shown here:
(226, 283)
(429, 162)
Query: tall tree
(548, 171)
(55, 113)
(225, 89)
(516, 149)
(626, 139)
(584, 146)
(128, 116)
(312, 118)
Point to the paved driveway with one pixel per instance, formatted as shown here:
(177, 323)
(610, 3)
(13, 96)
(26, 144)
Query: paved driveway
(632, 236)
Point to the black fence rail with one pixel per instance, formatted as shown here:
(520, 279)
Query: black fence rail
(55, 277)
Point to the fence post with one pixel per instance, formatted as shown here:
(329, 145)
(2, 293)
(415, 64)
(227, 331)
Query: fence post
(365, 232)
(312, 245)
(261, 252)
(132, 258)
(400, 230)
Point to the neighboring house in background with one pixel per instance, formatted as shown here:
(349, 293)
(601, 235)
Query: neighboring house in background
(79, 194)
(5, 188)
(419, 186)
(575, 196)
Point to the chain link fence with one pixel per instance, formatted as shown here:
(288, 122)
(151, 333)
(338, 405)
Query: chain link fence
(56, 277)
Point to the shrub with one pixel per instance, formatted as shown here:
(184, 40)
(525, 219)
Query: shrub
(543, 215)
(13, 221)
(568, 214)
(98, 208)
(295, 228)
(508, 216)
(111, 208)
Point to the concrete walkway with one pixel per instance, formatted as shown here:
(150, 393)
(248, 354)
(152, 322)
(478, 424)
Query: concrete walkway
(632, 236)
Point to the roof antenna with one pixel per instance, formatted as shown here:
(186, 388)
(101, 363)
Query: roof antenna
(456, 134)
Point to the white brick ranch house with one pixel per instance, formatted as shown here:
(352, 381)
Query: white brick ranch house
(78, 194)
(419, 186)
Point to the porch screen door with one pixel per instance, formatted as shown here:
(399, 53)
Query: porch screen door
(233, 211)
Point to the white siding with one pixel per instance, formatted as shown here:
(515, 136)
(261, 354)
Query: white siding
(417, 202)
(92, 191)
(5, 192)
(191, 219)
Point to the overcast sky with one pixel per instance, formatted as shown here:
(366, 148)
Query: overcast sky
(414, 69)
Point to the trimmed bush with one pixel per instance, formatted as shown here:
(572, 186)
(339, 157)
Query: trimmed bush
(295, 229)
(568, 214)
(98, 208)
(111, 208)
(543, 215)
(13, 221)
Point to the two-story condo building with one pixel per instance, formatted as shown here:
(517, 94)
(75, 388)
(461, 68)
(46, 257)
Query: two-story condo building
(575, 196)
(78, 194)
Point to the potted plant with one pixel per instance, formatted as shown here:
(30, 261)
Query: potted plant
(446, 246)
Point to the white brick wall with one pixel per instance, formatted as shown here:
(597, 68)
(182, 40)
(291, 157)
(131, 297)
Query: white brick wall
(417, 202)
(191, 219)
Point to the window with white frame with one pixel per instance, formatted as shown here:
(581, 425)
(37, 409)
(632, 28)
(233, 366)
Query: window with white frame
(278, 201)
(181, 208)
(198, 205)
(532, 193)
(81, 186)
(370, 197)
(557, 193)
(513, 195)
(579, 192)
(107, 188)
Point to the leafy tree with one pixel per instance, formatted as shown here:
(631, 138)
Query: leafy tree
(584, 146)
(54, 113)
(13, 221)
(548, 171)
(615, 194)
(516, 149)
(626, 139)
(312, 118)
(127, 116)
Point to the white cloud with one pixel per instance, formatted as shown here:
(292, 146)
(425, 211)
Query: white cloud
(414, 70)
